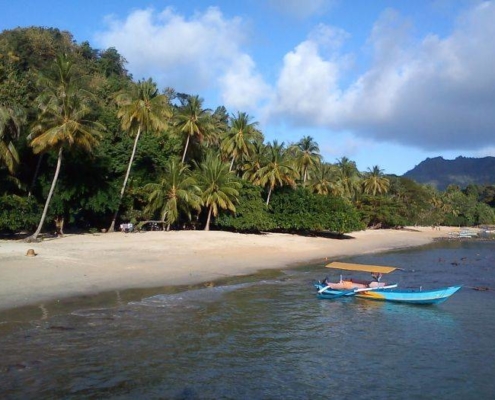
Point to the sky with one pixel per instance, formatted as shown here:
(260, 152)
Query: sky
(382, 82)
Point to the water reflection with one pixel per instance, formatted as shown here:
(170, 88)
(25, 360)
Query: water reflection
(267, 339)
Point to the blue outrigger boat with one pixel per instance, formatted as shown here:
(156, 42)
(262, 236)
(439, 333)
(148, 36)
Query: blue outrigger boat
(377, 290)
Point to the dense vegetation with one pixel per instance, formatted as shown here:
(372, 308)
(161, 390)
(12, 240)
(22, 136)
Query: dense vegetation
(82, 142)
(462, 172)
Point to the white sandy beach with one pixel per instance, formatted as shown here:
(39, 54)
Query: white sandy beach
(87, 264)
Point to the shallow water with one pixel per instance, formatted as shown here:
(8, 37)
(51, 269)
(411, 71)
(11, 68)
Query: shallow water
(270, 338)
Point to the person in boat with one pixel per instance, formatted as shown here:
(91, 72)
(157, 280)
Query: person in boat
(376, 276)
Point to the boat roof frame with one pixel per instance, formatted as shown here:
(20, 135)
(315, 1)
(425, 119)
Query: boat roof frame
(360, 267)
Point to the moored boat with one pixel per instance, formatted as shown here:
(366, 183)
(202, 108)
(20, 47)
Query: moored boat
(377, 290)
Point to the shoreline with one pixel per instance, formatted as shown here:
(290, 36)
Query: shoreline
(91, 264)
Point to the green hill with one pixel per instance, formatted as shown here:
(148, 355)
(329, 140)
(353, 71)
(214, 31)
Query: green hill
(462, 171)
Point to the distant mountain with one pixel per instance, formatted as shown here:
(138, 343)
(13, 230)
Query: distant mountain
(462, 171)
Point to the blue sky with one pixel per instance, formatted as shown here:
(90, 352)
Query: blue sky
(382, 82)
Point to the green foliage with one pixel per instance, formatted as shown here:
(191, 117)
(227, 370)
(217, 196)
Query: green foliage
(88, 188)
(382, 211)
(18, 213)
(301, 210)
(484, 214)
(251, 213)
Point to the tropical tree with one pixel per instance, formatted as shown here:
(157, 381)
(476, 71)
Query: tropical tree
(256, 160)
(375, 182)
(323, 179)
(176, 193)
(192, 121)
(278, 171)
(219, 186)
(307, 154)
(347, 177)
(62, 123)
(241, 137)
(11, 120)
(141, 110)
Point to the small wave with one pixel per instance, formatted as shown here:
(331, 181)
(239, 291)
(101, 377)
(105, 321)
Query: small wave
(208, 294)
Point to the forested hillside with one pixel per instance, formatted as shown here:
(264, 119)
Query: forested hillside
(462, 171)
(85, 147)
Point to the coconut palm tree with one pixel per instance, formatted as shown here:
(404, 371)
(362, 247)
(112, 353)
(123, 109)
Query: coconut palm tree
(176, 193)
(375, 182)
(11, 120)
(348, 177)
(307, 154)
(278, 171)
(192, 121)
(62, 123)
(323, 179)
(256, 160)
(241, 137)
(219, 186)
(141, 110)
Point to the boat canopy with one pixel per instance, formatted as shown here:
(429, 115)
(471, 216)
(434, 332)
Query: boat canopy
(360, 267)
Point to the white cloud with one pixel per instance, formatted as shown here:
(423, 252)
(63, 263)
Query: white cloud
(434, 94)
(241, 87)
(308, 84)
(191, 55)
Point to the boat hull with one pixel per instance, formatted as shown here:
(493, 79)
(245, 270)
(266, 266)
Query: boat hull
(397, 295)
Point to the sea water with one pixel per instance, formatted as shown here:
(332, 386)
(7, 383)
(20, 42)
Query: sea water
(267, 338)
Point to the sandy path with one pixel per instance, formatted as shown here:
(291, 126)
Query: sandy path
(88, 264)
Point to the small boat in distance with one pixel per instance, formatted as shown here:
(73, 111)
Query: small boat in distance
(377, 290)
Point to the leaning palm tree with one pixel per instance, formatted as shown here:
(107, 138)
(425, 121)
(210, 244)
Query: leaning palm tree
(192, 121)
(278, 171)
(176, 193)
(141, 110)
(62, 123)
(375, 182)
(241, 137)
(307, 154)
(11, 120)
(219, 186)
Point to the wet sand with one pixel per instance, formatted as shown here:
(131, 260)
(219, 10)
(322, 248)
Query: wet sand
(87, 264)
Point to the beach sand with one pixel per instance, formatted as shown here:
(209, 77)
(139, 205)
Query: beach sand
(87, 264)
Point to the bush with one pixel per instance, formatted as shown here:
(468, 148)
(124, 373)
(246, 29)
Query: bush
(18, 213)
(301, 210)
(251, 212)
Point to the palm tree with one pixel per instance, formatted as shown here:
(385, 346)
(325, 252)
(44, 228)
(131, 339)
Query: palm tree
(219, 186)
(375, 182)
(193, 121)
(11, 120)
(141, 110)
(307, 155)
(241, 137)
(256, 160)
(323, 179)
(62, 123)
(177, 192)
(278, 171)
(348, 177)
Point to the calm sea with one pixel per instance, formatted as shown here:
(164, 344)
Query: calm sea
(265, 337)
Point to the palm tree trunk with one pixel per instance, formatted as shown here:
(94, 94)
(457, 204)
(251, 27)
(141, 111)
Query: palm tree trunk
(232, 164)
(207, 227)
(112, 225)
(268, 197)
(185, 149)
(34, 236)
